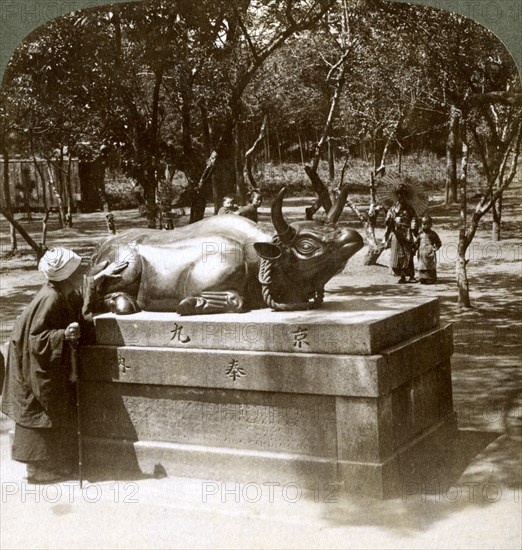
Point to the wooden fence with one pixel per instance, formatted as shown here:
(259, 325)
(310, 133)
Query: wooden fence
(28, 191)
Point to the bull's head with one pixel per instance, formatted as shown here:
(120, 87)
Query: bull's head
(307, 254)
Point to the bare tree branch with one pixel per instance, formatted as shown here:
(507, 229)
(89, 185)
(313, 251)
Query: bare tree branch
(250, 152)
(246, 34)
(338, 64)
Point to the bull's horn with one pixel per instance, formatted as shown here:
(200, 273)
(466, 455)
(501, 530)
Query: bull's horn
(286, 232)
(337, 208)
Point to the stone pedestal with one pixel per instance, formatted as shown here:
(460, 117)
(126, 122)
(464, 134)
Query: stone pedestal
(357, 393)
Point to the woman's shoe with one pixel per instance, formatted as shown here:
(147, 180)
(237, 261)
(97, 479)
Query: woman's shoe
(40, 474)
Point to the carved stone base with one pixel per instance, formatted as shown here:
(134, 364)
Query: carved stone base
(278, 408)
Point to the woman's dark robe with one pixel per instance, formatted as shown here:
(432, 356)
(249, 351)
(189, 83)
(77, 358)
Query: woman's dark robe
(37, 393)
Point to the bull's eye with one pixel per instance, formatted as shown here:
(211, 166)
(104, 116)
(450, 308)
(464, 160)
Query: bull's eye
(307, 246)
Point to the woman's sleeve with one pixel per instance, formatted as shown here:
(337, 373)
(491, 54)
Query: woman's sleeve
(89, 298)
(46, 335)
(47, 366)
(90, 301)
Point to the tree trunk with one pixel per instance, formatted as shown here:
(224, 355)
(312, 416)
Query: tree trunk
(464, 240)
(27, 238)
(26, 184)
(207, 144)
(217, 199)
(279, 147)
(331, 161)
(373, 254)
(451, 156)
(7, 198)
(497, 219)
(321, 190)
(378, 149)
(462, 277)
(375, 249)
(38, 170)
(300, 147)
(199, 195)
(150, 204)
(99, 171)
(68, 215)
(165, 200)
(224, 170)
(12, 236)
(241, 186)
(151, 152)
(52, 185)
(197, 208)
(200, 191)
(63, 190)
(334, 101)
(44, 228)
(267, 136)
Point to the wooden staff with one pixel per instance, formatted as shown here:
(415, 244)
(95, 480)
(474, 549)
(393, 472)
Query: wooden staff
(75, 378)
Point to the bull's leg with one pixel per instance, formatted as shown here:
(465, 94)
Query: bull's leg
(120, 303)
(211, 302)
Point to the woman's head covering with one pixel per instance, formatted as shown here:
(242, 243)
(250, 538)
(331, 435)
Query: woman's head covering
(58, 263)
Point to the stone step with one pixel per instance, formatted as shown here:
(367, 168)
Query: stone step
(350, 327)
(411, 465)
(349, 375)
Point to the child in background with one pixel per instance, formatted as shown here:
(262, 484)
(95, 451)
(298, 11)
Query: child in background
(228, 206)
(427, 242)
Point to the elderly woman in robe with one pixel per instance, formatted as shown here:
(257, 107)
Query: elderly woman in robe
(37, 393)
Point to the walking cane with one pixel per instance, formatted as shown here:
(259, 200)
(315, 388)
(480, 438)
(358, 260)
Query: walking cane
(75, 378)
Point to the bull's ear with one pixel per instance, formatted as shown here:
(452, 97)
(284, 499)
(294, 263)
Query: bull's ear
(268, 251)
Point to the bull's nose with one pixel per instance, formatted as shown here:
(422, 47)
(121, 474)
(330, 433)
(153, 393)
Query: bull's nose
(353, 242)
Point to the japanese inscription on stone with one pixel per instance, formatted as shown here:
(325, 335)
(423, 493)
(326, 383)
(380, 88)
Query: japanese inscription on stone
(300, 336)
(177, 334)
(234, 371)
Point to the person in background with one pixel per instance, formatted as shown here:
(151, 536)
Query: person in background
(250, 210)
(401, 229)
(228, 206)
(427, 244)
(37, 393)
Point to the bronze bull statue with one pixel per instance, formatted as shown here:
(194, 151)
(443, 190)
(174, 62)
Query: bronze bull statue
(228, 264)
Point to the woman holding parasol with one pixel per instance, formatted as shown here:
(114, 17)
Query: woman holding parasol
(403, 201)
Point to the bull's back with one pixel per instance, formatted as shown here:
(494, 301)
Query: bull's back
(166, 266)
(231, 226)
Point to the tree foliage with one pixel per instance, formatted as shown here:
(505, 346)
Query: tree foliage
(167, 85)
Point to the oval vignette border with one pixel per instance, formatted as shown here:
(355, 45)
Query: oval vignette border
(18, 18)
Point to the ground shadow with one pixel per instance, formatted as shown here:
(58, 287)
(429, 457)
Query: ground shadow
(444, 493)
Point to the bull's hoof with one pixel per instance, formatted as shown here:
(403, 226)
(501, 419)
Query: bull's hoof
(121, 303)
(190, 306)
(211, 302)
